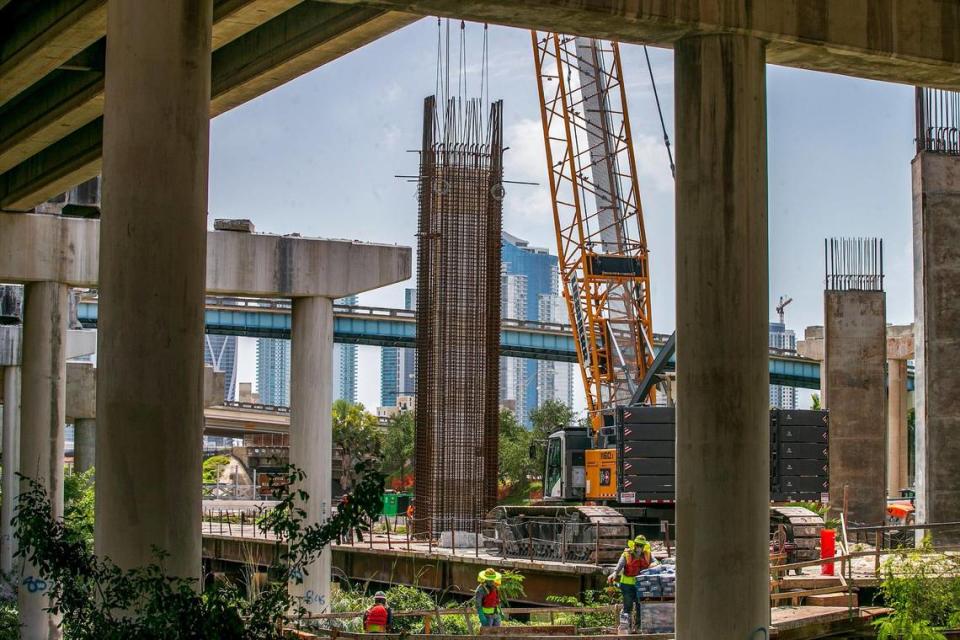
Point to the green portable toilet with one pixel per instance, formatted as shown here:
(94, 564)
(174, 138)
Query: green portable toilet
(390, 504)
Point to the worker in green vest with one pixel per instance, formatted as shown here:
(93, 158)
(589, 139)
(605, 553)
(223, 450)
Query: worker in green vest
(634, 559)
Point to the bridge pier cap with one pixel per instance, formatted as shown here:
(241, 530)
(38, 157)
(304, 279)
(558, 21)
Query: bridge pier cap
(44, 248)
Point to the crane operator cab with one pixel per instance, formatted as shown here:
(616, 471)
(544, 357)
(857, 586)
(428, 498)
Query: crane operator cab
(576, 471)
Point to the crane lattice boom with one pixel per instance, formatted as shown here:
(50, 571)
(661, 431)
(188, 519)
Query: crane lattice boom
(601, 242)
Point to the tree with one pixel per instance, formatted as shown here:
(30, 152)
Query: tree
(398, 446)
(547, 418)
(356, 433)
(515, 465)
(78, 506)
(212, 467)
(815, 402)
(550, 416)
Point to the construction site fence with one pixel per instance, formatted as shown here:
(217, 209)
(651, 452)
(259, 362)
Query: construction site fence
(575, 542)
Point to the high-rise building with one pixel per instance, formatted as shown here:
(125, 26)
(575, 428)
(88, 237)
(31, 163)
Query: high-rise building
(515, 384)
(539, 271)
(398, 366)
(273, 371)
(273, 368)
(554, 379)
(220, 352)
(785, 340)
(345, 364)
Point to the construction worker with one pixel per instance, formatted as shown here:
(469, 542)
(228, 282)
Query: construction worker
(487, 598)
(379, 617)
(634, 559)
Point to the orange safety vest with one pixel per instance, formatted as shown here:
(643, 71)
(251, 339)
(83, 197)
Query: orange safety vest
(490, 601)
(632, 567)
(376, 618)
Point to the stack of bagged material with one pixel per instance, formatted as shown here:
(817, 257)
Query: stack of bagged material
(657, 582)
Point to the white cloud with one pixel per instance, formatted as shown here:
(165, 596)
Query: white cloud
(653, 164)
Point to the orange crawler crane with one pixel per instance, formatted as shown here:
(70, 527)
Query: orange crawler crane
(601, 242)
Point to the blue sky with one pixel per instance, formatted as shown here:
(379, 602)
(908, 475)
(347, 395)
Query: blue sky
(318, 156)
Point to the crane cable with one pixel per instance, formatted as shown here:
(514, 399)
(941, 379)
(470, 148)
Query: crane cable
(663, 125)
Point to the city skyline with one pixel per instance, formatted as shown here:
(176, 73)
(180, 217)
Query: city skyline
(852, 138)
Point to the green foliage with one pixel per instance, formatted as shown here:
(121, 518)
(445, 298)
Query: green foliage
(901, 627)
(511, 586)
(98, 600)
(398, 446)
(78, 506)
(9, 621)
(550, 416)
(924, 589)
(356, 433)
(590, 599)
(546, 419)
(815, 402)
(212, 467)
(514, 464)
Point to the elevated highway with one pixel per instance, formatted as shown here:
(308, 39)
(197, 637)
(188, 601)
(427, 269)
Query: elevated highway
(384, 327)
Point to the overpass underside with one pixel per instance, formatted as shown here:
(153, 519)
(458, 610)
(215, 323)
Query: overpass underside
(81, 92)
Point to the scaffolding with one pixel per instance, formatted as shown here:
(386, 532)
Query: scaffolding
(458, 314)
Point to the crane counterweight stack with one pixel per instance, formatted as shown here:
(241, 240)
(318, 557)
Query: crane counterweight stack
(601, 242)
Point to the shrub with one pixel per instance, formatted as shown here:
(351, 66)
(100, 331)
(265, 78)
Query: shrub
(100, 601)
(923, 588)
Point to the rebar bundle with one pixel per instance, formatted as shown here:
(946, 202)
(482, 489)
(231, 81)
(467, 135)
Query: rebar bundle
(938, 121)
(458, 314)
(853, 264)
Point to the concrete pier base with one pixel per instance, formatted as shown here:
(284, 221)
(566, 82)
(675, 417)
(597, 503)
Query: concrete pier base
(43, 413)
(936, 225)
(11, 464)
(152, 268)
(311, 429)
(853, 382)
(723, 454)
(84, 444)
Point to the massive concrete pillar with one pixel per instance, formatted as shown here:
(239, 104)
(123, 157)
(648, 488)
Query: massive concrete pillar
(723, 452)
(897, 465)
(854, 393)
(43, 413)
(11, 464)
(936, 227)
(311, 428)
(152, 283)
(84, 443)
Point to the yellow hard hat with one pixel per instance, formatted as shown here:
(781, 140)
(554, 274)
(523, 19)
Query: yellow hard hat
(489, 575)
(640, 540)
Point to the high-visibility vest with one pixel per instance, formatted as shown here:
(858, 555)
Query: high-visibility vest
(376, 618)
(632, 567)
(490, 602)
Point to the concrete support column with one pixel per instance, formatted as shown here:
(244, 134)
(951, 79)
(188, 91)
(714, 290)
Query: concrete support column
(311, 428)
(152, 283)
(936, 225)
(11, 464)
(723, 452)
(897, 465)
(43, 413)
(84, 444)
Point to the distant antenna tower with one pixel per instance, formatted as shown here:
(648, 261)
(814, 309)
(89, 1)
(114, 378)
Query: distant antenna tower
(784, 301)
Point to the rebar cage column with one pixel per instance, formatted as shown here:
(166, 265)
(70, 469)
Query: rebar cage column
(458, 314)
